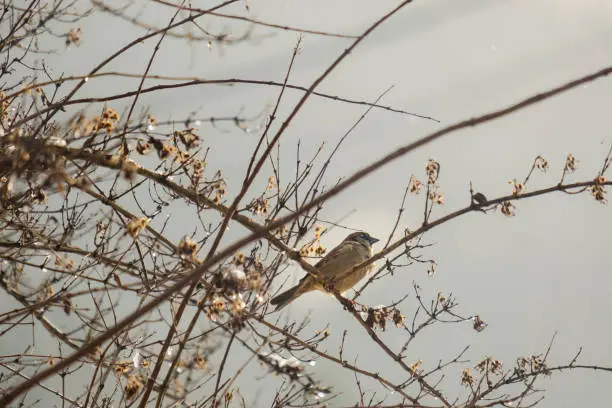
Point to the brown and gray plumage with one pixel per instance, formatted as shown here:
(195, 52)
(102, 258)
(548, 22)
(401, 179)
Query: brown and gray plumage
(334, 268)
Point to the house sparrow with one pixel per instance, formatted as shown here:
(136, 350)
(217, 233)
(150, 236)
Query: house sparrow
(334, 267)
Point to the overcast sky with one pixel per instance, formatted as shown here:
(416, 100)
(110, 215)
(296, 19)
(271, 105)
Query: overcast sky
(545, 271)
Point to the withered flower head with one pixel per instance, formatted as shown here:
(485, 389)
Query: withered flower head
(398, 318)
(414, 367)
(479, 324)
(73, 37)
(270, 183)
(432, 169)
(181, 156)
(100, 230)
(541, 163)
(216, 307)
(188, 137)
(136, 225)
(67, 304)
(599, 193)
(436, 197)
(238, 304)
(220, 189)
(538, 364)
(239, 258)
(166, 151)
(377, 317)
(133, 386)
(187, 247)
(467, 378)
(442, 299)
(489, 365)
(259, 206)
(143, 147)
(313, 248)
(517, 187)
(571, 164)
(508, 209)
(198, 165)
(199, 361)
(431, 268)
(415, 185)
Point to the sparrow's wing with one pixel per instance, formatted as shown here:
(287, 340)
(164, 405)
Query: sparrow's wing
(341, 258)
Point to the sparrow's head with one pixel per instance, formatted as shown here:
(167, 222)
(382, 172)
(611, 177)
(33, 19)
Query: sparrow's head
(362, 237)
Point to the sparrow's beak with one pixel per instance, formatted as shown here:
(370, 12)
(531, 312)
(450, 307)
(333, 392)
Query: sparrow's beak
(373, 240)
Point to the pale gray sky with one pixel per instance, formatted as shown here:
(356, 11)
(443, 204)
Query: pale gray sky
(544, 271)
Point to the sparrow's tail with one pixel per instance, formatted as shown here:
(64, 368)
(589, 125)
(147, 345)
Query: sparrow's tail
(286, 297)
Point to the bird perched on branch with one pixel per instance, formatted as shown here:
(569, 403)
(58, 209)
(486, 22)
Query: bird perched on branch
(336, 269)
